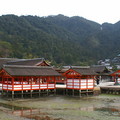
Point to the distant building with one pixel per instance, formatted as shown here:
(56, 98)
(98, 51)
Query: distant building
(106, 63)
(116, 60)
(103, 72)
(118, 66)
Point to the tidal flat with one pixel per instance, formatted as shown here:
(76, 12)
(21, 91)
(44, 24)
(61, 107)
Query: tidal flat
(102, 107)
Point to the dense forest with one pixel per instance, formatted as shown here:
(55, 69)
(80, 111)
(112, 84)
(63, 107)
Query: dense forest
(60, 39)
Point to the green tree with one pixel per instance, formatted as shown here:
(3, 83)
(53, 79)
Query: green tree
(5, 49)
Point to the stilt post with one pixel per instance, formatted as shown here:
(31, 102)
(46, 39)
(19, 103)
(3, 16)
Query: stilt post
(12, 95)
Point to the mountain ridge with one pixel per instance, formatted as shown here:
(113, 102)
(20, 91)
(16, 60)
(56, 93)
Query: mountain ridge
(60, 39)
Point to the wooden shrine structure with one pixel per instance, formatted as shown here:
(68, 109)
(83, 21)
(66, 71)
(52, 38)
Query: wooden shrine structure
(80, 80)
(103, 73)
(27, 79)
(34, 77)
(116, 76)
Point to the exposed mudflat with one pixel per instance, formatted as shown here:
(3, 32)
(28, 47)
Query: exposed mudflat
(102, 107)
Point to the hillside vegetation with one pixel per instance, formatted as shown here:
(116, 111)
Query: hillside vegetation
(60, 39)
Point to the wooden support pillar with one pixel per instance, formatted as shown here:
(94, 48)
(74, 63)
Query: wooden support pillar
(31, 87)
(2, 93)
(12, 88)
(12, 95)
(2, 86)
(87, 77)
(73, 92)
(63, 91)
(22, 94)
(39, 79)
(66, 91)
(79, 93)
(87, 92)
(47, 92)
(39, 93)
(22, 87)
(80, 86)
(7, 84)
(7, 93)
(31, 93)
(107, 91)
(54, 91)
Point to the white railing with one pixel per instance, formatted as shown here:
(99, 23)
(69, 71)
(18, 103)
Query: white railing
(80, 83)
(0, 86)
(28, 87)
(119, 80)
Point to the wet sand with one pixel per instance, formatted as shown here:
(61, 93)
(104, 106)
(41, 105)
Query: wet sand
(5, 116)
(102, 107)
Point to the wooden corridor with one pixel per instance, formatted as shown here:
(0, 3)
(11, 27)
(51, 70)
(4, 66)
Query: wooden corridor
(110, 89)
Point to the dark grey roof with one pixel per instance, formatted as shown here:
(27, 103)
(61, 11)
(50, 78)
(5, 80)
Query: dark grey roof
(15, 70)
(99, 69)
(31, 62)
(85, 71)
(68, 67)
(5, 60)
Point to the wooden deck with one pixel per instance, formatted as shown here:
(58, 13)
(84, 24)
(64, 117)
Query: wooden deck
(115, 89)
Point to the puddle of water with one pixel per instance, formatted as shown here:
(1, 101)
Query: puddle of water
(30, 114)
(11, 107)
(109, 111)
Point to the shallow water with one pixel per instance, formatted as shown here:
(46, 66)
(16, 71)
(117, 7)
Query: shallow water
(103, 107)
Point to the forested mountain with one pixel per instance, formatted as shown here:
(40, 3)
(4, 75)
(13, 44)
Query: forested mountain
(60, 39)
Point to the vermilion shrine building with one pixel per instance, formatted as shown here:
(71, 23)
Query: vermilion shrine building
(28, 78)
(116, 76)
(81, 79)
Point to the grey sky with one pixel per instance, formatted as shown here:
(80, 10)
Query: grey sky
(96, 10)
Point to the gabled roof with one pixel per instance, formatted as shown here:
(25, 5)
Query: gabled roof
(5, 60)
(27, 62)
(100, 69)
(65, 68)
(15, 70)
(82, 71)
(85, 71)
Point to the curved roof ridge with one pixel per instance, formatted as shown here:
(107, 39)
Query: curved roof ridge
(26, 66)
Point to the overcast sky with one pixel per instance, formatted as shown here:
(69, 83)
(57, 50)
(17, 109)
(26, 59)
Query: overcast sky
(96, 10)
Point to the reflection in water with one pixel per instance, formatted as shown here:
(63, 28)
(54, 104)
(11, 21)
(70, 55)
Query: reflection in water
(87, 108)
(37, 114)
(31, 114)
(109, 111)
(104, 110)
